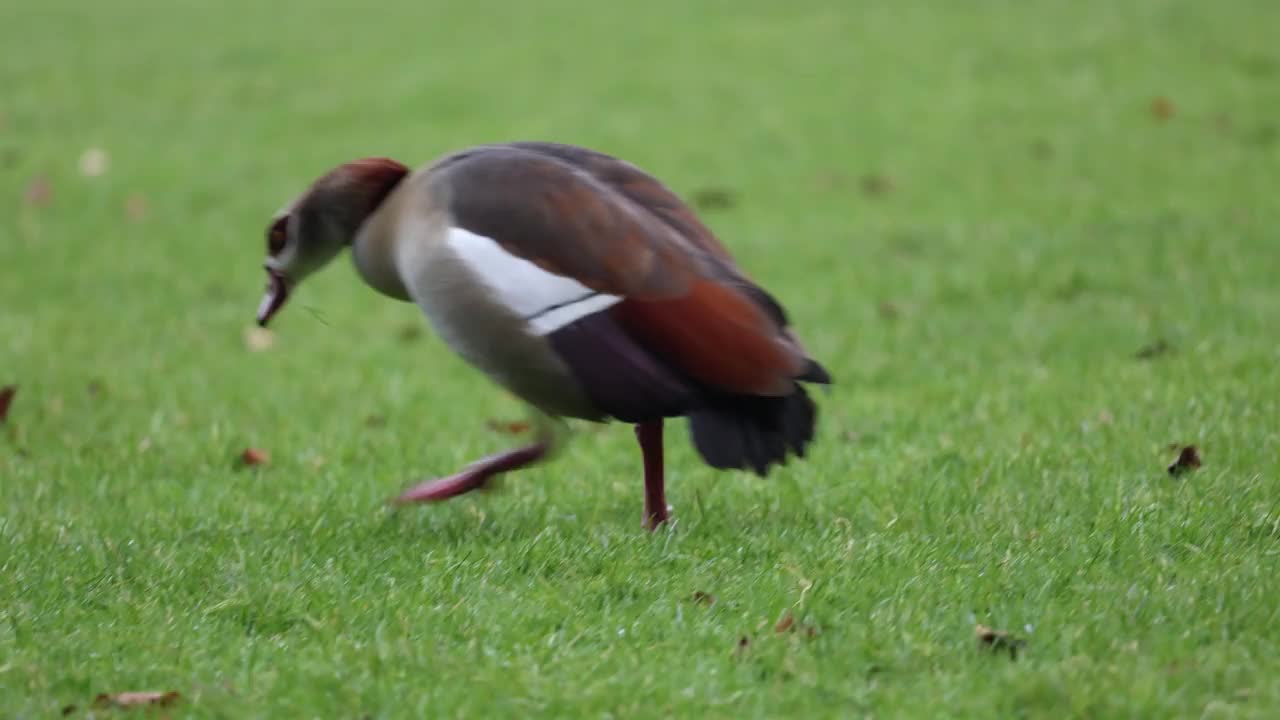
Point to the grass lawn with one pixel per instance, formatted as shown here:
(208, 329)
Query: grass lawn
(978, 214)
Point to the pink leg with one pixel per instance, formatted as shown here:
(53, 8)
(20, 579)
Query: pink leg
(655, 500)
(474, 476)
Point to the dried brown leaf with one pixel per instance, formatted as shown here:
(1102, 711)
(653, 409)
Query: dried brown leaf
(1162, 108)
(788, 624)
(39, 192)
(1188, 460)
(996, 640)
(877, 184)
(713, 198)
(6, 399)
(784, 624)
(703, 598)
(135, 207)
(1153, 350)
(137, 699)
(252, 457)
(508, 427)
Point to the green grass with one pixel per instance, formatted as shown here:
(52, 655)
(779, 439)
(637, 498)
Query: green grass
(992, 453)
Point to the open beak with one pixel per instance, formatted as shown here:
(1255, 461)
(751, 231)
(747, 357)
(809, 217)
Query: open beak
(273, 300)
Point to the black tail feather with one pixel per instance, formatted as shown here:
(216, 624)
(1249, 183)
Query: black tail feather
(753, 433)
(815, 373)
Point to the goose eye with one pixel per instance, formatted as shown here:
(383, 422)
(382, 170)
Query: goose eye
(275, 240)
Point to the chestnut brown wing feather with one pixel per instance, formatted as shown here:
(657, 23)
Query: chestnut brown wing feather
(619, 231)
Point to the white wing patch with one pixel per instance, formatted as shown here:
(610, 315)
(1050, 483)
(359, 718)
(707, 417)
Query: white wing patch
(546, 300)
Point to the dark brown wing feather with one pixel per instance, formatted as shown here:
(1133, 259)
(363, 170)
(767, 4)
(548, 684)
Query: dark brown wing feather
(617, 230)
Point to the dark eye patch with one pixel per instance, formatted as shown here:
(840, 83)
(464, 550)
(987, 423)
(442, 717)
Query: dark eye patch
(276, 236)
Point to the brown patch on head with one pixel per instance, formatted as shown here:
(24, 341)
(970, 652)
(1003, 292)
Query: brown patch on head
(277, 234)
(348, 194)
(367, 181)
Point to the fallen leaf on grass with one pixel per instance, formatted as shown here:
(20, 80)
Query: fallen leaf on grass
(1188, 459)
(94, 162)
(704, 598)
(137, 699)
(788, 624)
(1162, 108)
(252, 457)
(258, 339)
(888, 310)
(1154, 350)
(509, 427)
(6, 399)
(876, 184)
(713, 198)
(39, 193)
(996, 640)
(135, 207)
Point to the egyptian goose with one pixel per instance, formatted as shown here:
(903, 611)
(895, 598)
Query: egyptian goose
(576, 281)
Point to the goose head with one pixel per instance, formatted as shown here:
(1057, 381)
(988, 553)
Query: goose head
(310, 231)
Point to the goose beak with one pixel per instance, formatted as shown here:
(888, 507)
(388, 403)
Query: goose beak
(273, 300)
